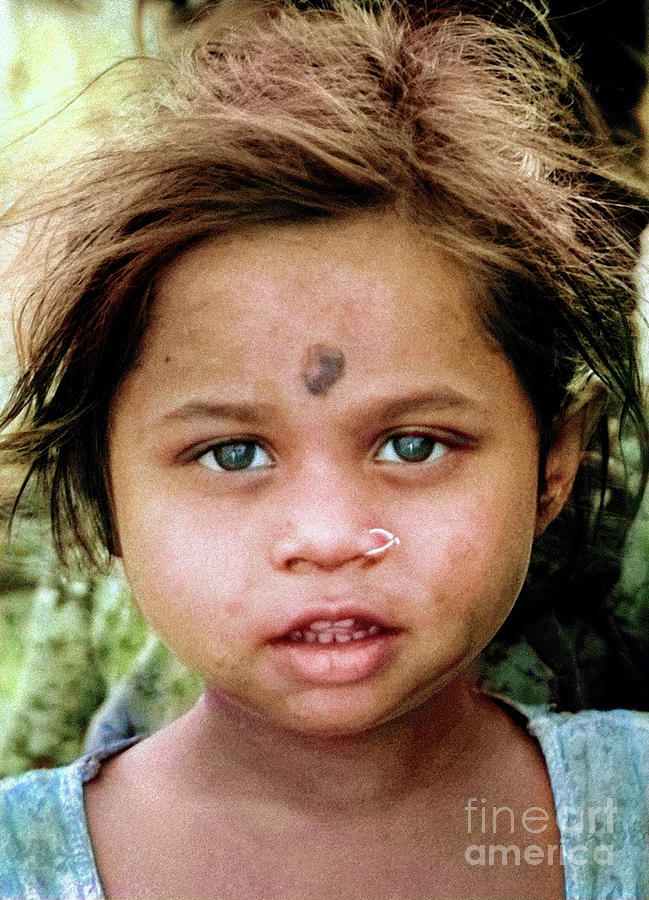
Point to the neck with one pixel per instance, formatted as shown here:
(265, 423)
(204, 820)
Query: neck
(417, 753)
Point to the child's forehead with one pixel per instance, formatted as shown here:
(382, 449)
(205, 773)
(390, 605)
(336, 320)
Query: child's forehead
(336, 261)
(315, 304)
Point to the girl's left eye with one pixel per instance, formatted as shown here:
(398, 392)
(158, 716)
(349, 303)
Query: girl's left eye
(411, 448)
(235, 456)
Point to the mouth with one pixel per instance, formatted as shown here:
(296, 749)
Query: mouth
(335, 631)
(336, 649)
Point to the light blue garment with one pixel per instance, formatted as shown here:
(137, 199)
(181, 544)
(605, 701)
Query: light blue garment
(45, 848)
(597, 761)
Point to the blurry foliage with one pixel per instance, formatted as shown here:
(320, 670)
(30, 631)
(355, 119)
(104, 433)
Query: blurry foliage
(71, 647)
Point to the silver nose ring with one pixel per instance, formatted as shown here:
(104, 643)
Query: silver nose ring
(391, 540)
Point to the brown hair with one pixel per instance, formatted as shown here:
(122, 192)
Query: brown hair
(478, 132)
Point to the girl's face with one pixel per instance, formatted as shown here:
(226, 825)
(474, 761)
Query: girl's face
(297, 387)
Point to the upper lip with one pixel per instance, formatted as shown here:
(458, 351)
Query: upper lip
(334, 613)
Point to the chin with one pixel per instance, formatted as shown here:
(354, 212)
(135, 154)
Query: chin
(346, 716)
(321, 717)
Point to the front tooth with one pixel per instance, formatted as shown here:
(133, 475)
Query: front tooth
(325, 637)
(358, 635)
(321, 625)
(342, 637)
(344, 623)
(310, 637)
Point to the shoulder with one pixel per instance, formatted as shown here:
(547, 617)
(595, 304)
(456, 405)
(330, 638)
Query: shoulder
(39, 801)
(45, 848)
(592, 755)
(597, 763)
(609, 744)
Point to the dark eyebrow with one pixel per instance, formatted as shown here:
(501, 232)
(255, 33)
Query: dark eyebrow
(240, 412)
(259, 413)
(440, 398)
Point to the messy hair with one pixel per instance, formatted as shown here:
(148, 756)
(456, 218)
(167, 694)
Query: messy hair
(475, 130)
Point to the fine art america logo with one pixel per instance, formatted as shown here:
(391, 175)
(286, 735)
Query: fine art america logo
(490, 825)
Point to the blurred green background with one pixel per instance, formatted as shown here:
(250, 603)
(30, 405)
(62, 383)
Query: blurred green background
(68, 646)
(73, 646)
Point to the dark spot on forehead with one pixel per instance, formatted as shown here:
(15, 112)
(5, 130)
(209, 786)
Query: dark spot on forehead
(323, 366)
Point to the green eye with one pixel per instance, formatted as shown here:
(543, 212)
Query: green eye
(235, 457)
(411, 448)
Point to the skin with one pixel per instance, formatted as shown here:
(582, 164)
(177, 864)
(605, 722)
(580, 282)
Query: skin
(323, 366)
(219, 561)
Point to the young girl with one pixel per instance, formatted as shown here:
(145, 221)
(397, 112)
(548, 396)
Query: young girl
(328, 346)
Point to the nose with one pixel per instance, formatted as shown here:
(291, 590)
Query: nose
(327, 525)
(321, 548)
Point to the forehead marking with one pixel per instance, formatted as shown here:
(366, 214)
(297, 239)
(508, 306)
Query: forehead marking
(322, 367)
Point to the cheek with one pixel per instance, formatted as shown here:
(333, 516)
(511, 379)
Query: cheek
(186, 569)
(188, 587)
(476, 561)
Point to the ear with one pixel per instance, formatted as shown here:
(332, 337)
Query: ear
(573, 432)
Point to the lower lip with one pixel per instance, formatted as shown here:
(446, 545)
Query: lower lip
(337, 663)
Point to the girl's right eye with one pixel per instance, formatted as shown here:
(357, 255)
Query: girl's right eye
(235, 456)
(411, 448)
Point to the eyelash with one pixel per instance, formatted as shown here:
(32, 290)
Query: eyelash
(437, 450)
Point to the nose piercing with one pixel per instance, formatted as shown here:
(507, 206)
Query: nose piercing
(391, 540)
